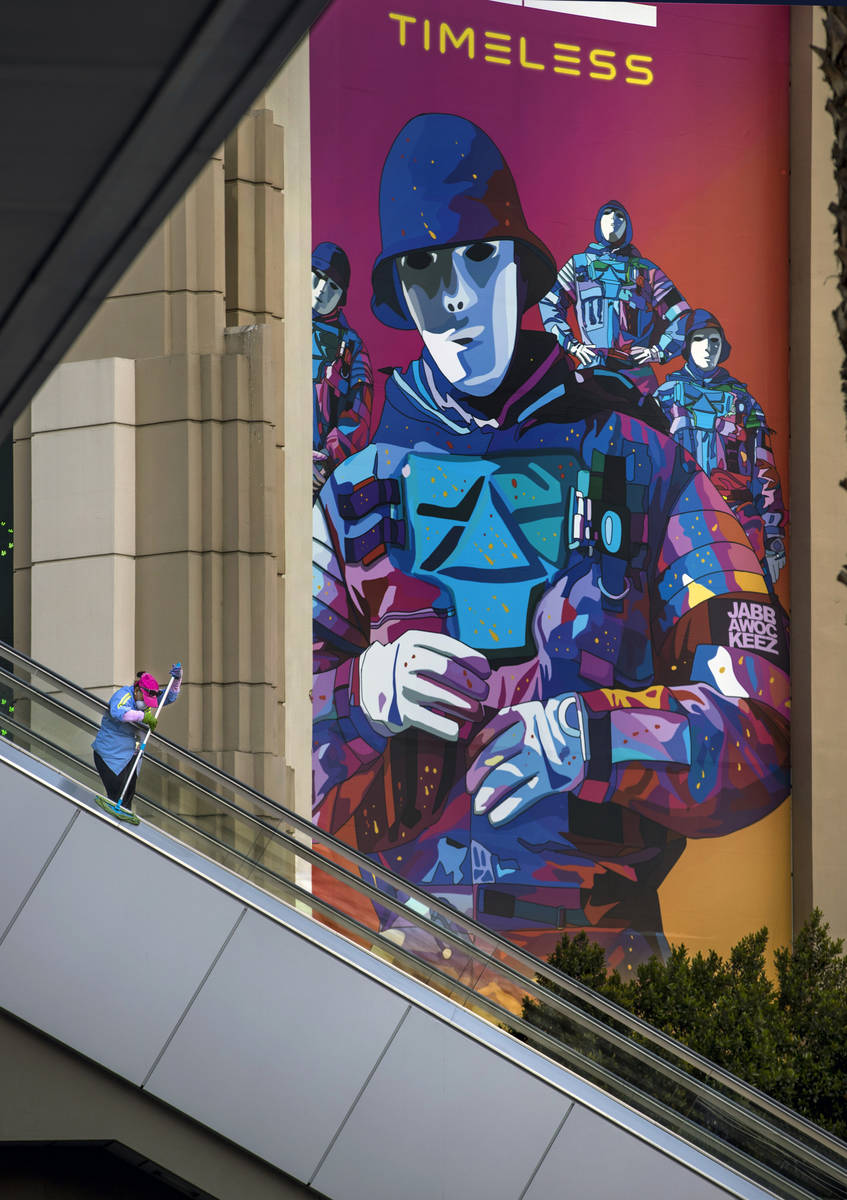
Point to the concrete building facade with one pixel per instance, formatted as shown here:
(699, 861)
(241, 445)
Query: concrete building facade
(162, 474)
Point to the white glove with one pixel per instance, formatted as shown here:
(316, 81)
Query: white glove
(584, 352)
(646, 354)
(426, 681)
(530, 751)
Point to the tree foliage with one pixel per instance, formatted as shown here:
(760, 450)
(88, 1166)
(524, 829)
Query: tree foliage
(788, 1037)
(833, 63)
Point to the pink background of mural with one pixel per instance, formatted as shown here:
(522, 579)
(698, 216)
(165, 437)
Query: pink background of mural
(700, 158)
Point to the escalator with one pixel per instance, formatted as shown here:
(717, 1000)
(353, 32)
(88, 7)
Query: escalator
(670, 1098)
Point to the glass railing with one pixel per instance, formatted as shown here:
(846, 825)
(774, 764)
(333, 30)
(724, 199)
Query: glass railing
(282, 853)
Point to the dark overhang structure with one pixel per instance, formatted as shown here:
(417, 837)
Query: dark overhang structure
(109, 110)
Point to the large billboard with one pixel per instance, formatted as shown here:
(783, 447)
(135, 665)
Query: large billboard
(549, 301)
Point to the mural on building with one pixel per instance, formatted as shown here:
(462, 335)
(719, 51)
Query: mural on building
(627, 311)
(716, 419)
(342, 383)
(549, 646)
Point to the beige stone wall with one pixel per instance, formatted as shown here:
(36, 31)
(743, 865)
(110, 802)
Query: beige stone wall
(288, 99)
(158, 473)
(74, 454)
(818, 505)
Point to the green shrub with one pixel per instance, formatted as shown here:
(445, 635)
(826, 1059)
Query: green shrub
(787, 1038)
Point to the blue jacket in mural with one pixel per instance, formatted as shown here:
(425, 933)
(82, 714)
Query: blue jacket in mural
(582, 553)
(619, 300)
(342, 389)
(715, 418)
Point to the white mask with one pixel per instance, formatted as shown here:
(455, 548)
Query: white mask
(325, 294)
(705, 349)
(464, 302)
(612, 225)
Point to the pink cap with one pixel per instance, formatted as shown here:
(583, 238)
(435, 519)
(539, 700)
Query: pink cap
(148, 686)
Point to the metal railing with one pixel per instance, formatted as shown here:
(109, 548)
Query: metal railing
(287, 856)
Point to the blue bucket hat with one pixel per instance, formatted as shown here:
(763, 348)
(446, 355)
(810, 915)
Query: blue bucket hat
(445, 183)
(695, 321)
(330, 260)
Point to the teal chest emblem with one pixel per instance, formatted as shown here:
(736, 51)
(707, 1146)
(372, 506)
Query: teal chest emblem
(491, 534)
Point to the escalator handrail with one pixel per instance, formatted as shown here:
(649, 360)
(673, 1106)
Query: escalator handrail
(699, 1134)
(301, 825)
(651, 1104)
(611, 1010)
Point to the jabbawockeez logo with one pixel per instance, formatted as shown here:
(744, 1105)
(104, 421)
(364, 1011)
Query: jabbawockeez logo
(753, 626)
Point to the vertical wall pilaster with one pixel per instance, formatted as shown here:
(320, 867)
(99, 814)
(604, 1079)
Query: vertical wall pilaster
(288, 99)
(182, 513)
(818, 504)
(78, 443)
(253, 164)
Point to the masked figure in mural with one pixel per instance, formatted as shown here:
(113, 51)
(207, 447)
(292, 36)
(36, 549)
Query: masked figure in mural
(627, 311)
(716, 419)
(544, 649)
(342, 381)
